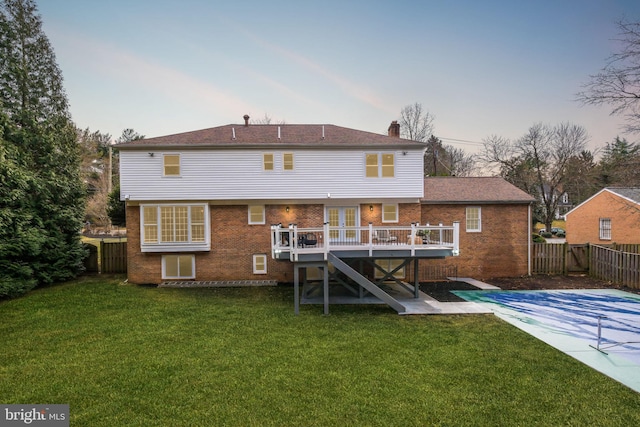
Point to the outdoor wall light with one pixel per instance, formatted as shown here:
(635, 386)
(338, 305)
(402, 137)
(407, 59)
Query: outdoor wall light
(150, 154)
(370, 208)
(287, 209)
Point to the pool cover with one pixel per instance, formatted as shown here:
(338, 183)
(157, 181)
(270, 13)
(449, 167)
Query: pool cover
(568, 321)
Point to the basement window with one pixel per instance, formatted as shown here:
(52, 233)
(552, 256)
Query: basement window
(178, 267)
(259, 264)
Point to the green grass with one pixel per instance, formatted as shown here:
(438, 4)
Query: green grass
(121, 354)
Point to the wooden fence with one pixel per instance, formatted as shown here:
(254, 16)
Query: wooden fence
(108, 257)
(615, 263)
(615, 266)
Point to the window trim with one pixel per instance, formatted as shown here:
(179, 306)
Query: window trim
(178, 277)
(255, 268)
(396, 213)
(466, 220)
(284, 161)
(264, 215)
(272, 162)
(164, 165)
(381, 168)
(158, 245)
(604, 233)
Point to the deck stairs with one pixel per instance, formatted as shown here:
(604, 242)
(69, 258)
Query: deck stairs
(365, 283)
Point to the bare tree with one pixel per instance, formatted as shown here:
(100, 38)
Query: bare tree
(416, 123)
(444, 160)
(537, 162)
(267, 120)
(618, 83)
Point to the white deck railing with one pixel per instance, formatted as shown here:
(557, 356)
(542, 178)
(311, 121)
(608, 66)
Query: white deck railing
(295, 241)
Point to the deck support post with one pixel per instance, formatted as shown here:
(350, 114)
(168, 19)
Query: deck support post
(325, 274)
(296, 288)
(416, 279)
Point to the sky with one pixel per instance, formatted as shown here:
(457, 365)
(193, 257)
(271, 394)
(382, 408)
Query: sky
(481, 68)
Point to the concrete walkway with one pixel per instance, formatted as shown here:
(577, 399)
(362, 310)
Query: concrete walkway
(423, 305)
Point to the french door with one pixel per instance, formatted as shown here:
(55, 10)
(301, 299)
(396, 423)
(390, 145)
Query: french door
(341, 219)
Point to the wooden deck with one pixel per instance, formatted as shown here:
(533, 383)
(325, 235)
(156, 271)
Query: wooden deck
(415, 241)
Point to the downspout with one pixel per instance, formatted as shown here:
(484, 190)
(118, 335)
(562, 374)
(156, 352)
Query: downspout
(529, 241)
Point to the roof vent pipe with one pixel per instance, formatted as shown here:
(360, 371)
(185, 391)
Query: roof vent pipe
(246, 120)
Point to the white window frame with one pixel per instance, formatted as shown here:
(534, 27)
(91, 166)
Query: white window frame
(380, 168)
(255, 264)
(264, 162)
(284, 162)
(174, 246)
(466, 217)
(396, 213)
(605, 229)
(262, 221)
(179, 276)
(164, 165)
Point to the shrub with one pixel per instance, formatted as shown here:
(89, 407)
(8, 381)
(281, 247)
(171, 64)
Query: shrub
(537, 238)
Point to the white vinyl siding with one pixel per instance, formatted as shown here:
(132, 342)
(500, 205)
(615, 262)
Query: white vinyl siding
(473, 219)
(178, 267)
(605, 228)
(260, 264)
(235, 174)
(256, 214)
(389, 213)
(174, 227)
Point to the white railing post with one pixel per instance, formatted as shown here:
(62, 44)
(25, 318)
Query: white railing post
(293, 242)
(413, 239)
(370, 239)
(325, 231)
(456, 238)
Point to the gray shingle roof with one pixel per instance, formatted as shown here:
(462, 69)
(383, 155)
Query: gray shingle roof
(229, 136)
(632, 193)
(481, 190)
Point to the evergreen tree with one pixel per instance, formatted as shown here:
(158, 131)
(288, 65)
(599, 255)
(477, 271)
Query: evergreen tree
(41, 141)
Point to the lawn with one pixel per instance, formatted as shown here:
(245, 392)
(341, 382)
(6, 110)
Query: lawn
(121, 354)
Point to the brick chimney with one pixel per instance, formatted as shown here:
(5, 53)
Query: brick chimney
(394, 129)
(246, 120)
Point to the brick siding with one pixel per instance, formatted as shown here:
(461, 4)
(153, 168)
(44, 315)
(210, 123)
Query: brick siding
(583, 224)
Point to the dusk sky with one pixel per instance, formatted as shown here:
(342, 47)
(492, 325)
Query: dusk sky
(481, 67)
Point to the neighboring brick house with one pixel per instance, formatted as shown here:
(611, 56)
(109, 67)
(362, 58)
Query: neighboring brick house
(610, 216)
(495, 217)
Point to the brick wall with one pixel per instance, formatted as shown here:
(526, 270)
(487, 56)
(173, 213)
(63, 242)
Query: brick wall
(499, 250)
(583, 224)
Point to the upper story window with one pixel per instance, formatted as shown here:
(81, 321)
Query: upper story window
(605, 228)
(389, 213)
(287, 161)
(256, 214)
(171, 164)
(380, 165)
(267, 161)
(173, 224)
(388, 166)
(473, 219)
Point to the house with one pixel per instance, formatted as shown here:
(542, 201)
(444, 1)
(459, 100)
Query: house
(248, 203)
(612, 215)
(495, 232)
(559, 198)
